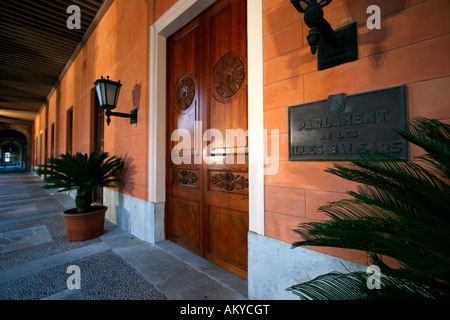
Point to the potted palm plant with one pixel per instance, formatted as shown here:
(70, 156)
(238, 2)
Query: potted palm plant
(85, 174)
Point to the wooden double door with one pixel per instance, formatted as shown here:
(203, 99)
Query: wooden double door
(207, 169)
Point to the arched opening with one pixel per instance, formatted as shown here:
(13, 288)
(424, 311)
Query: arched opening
(13, 151)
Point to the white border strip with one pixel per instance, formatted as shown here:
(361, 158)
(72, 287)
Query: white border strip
(255, 115)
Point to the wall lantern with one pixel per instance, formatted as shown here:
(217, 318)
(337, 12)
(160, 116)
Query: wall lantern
(108, 94)
(320, 28)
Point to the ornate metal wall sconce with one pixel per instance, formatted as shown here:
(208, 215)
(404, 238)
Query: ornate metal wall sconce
(314, 19)
(108, 94)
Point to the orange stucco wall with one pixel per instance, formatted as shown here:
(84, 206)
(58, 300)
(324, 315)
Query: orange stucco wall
(119, 48)
(412, 47)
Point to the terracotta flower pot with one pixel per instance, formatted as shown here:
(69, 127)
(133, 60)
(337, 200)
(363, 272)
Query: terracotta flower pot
(84, 226)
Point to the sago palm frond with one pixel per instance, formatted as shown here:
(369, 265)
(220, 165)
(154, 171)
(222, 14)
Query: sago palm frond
(81, 172)
(347, 286)
(400, 210)
(433, 137)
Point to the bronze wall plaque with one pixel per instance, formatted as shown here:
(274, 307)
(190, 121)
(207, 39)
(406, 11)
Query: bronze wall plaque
(336, 128)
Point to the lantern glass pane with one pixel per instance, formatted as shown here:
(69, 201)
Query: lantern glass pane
(99, 93)
(103, 93)
(117, 95)
(111, 91)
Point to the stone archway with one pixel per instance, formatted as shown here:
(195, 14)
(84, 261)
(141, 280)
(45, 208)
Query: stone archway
(25, 154)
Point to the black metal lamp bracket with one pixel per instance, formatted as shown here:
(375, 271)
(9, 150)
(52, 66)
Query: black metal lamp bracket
(132, 115)
(314, 19)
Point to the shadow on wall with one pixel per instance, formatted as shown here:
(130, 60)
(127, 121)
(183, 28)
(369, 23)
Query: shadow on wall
(355, 11)
(374, 38)
(127, 185)
(136, 94)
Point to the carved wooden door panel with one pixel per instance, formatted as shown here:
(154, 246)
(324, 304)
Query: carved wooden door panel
(207, 196)
(184, 185)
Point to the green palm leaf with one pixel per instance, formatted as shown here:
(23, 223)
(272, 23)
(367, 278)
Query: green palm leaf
(400, 210)
(347, 286)
(81, 172)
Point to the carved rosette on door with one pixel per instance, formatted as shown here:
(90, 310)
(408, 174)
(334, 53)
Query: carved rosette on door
(229, 76)
(184, 93)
